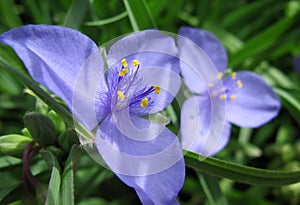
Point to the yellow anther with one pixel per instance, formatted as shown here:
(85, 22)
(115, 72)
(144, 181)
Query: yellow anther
(233, 75)
(239, 84)
(123, 72)
(144, 102)
(210, 85)
(223, 97)
(121, 95)
(156, 88)
(124, 63)
(232, 98)
(135, 63)
(219, 75)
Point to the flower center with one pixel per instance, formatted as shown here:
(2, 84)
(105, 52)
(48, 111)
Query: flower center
(131, 89)
(228, 86)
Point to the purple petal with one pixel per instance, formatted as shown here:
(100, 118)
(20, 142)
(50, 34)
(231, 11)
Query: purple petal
(209, 43)
(204, 128)
(297, 63)
(154, 168)
(196, 67)
(54, 57)
(150, 47)
(255, 102)
(169, 83)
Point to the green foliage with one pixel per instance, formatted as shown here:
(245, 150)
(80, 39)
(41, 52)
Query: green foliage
(261, 36)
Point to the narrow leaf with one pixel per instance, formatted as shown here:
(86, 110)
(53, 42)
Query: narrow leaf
(139, 15)
(76, 13)
(67, 185)
(240, 173)
(108, 20)
(55, 179)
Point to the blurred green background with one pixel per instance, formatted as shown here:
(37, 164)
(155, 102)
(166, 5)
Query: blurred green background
(262, 36)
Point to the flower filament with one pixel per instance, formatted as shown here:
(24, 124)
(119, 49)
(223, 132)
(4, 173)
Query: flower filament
(130, 87)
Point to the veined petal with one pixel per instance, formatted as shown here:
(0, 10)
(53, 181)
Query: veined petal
(169, 83)
(255, 102)
(150, 47)
(209, 43)
(154, 168)
(297, 63)
(196, 67)
(65, 61)
(204, 128)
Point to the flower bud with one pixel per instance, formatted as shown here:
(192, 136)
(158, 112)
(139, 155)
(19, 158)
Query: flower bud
(41, 128)
(13, 144)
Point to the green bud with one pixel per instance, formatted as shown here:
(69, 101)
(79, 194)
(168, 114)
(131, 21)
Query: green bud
(13, 144)
(41, 128)
(67, 139)
(58, 121)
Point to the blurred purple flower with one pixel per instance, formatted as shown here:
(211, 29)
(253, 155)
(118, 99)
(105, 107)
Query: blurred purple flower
(243, 99)
(144, 155)
(297, 64)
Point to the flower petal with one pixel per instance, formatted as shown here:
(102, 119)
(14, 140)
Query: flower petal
(204, 128)
(255, 102)
(155, 168)
(150, 47)
(196, 67)
(169, 83)
(209, 43)
(54, 57)
(297, 63)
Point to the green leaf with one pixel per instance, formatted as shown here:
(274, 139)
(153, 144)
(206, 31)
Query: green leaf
(67, 185)
(55, 179)
(108, 20)
(240, 173)
(139, 15)
(59, 109)
(261, 41)
(76, 13)
(13, 144)
(9, 14)
(211, 188)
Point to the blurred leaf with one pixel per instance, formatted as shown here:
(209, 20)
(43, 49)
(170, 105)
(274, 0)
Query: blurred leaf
(139, 15)
(108, 20)
(7, 190)
(240, 173)
(39, 10)
(55, 179)
(76, 13)
(13, 144)
(261, 41)
(9, 14)
(67, 185)
(210, 185)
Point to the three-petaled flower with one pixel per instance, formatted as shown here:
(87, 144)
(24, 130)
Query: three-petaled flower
(142, 79)
(221, 97)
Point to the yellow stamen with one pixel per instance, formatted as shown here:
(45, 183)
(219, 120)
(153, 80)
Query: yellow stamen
(233, 75)
(124, 63)
(156, 88)
(123, 72)
(144, 102)
(223, 97)
(135, 63)
(239, 84)
(219, 75)
(121, 95)
(233, 98)
(210, 85)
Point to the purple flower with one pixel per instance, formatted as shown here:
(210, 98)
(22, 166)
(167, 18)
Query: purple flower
(143, 154)
(220, 97)
(297, 64)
